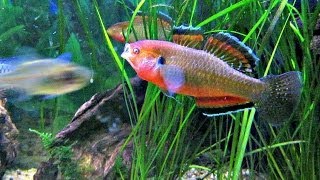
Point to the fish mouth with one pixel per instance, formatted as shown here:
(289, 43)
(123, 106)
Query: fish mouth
(127, 55)
(126, 52)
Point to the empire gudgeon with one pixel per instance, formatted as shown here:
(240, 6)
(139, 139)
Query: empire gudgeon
(217, 75)
(42, 76)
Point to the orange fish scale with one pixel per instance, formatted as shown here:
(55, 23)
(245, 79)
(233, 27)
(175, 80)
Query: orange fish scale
(201, 91)
(219, 101)
(209, 97)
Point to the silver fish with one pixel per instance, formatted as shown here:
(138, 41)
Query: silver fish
(42, 76)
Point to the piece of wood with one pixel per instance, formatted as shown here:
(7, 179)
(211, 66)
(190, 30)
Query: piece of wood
(8, 139)
(95, 145)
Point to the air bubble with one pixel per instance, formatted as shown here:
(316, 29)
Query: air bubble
(114, 128)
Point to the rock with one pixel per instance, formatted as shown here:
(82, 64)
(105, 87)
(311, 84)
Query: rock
(246, 174)
(20, 174)
(46, 170)
(8, 142)
(315, 42)
(98, 131)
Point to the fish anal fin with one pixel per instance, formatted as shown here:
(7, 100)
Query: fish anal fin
(231, 50)
(220, 101)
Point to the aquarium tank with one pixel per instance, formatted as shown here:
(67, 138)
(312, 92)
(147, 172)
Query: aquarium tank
(159, 89)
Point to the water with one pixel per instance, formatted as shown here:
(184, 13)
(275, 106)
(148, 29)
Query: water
(168, 138)
(49, 29)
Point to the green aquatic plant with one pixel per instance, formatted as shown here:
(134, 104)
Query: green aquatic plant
(161, 135)
(25, 28)
(62, 155)
(11, 30)
(166, 143)
(51, 32)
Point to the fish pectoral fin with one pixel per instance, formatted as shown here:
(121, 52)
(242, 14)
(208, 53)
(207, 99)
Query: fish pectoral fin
(221, 101)
(173, 78)
(168, 93)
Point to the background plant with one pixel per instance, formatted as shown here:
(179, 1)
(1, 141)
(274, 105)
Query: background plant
(171, 135)
(61, 155)
(51, 28)
(280, 34)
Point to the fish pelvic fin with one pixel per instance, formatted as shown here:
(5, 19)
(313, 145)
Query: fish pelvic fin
(234, 52)
(281, 97)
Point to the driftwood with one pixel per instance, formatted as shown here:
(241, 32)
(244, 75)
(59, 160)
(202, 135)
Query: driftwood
(95, 145)
(315, 42)
(102, 108)
(8, 142)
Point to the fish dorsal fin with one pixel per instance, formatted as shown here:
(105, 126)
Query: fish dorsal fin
(161, 17)
(143, 20)
(65, 57)
(165, 18)
(231, 50)
(188, 36)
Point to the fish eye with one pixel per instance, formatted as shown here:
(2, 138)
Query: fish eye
(67, 76)
(136, 51)
(161, 60)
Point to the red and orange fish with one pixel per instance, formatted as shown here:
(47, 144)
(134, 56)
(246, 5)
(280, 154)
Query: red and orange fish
(217, 73)
(140, 25)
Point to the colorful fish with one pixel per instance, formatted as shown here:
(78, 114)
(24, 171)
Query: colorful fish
(218, 75)
(41, 76)
(140, 25)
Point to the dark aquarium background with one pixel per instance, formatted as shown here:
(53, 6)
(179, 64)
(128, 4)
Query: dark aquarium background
(134, 131)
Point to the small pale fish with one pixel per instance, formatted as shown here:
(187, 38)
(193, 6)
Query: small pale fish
(42, 76)
(140, 25)
(218, 75)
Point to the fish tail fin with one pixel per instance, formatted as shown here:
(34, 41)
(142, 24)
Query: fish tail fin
(277, 103)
